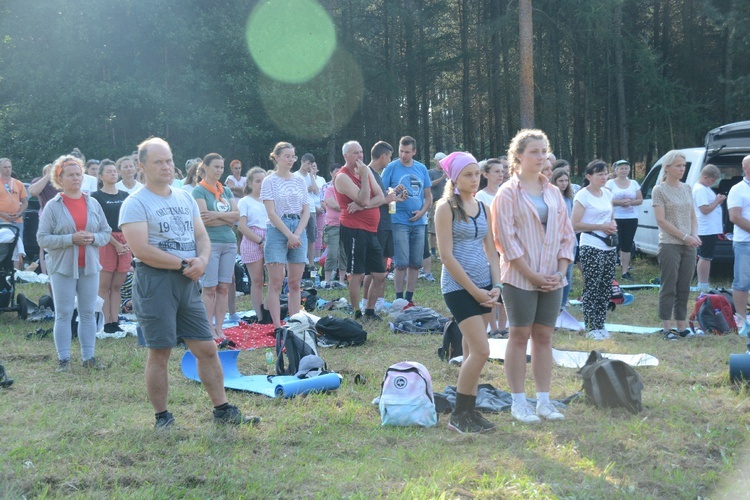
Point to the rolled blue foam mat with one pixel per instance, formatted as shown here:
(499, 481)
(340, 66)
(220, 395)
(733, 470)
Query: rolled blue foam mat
(284, 386)
(739, 367)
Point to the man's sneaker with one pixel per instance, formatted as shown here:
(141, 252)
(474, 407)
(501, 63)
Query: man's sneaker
(371, 317)
(429, 277)
(164, 422)
(234, 318)
(627, 276)
(464, 423)
(486, 425)
(671, 335)
(63, 365)
(409, 304)
(93, 364)
(605, 333)
(358, 314)
(547, 411)
(524, 413)
(233, 416)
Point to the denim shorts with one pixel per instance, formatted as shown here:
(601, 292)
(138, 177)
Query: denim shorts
(408, 245)
(276, 251)
(741, 266)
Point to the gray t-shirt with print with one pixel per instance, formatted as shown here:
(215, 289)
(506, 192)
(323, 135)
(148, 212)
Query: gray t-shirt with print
(169, 218)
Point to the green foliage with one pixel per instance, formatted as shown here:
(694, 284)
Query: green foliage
(102, 76)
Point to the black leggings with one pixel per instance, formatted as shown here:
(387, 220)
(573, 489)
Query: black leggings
(626, 232)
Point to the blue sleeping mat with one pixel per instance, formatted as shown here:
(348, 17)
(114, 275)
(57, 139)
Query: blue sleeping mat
(285, 386)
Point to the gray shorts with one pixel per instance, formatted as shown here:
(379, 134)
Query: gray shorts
(168, 306)
(526, 307)
(220, 268)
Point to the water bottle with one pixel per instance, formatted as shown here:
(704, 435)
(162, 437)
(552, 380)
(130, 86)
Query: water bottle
(314, 276)
(392, 207)
(270, 368)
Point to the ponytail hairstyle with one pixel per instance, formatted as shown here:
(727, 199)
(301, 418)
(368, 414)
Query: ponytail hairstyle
(485, 167)
(518, 146)
(206, 162)
(452, 198)
(277, 149)
(669, 159)
(248, 189)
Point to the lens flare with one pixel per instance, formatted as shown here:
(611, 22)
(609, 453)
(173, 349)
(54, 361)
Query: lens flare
(291, 41)
(322, 106)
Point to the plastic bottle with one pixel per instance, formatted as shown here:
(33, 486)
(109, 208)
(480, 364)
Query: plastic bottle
(315, 277)
(270, 368)
(392, 207)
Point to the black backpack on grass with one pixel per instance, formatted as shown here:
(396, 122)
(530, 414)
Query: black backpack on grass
(340, 332)
(611, 383)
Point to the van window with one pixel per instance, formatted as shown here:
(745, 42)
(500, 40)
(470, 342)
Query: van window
(652, 179)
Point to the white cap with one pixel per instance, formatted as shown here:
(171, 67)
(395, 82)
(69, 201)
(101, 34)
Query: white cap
(440, 156)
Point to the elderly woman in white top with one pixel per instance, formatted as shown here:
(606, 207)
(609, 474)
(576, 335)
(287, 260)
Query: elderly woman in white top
(72, 228)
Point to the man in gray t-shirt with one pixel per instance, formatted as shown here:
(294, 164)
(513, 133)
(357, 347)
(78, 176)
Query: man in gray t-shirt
(164, 230)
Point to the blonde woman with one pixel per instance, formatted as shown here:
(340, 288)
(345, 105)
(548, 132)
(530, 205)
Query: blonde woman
(678, 244)
(72, 228)
(534, 237)
(285, 197)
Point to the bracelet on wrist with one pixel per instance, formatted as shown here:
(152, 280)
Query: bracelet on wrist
(498, 286)
(685, 237)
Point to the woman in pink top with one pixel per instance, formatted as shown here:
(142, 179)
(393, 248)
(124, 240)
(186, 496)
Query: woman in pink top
(534, 237)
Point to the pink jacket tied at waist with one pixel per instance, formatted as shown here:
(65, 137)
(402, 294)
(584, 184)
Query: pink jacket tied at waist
(519, 233)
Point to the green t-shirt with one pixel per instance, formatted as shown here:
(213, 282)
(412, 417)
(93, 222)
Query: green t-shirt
(217, 234)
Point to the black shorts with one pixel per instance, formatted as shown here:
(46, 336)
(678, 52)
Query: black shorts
(462, 305)
(385, 238)
(708, 246)
(362, 250)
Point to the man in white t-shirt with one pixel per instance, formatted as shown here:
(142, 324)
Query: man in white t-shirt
(710, 221)
(738, 203)
(307, 173)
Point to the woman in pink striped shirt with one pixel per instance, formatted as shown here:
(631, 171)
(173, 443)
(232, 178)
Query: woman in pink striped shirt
(534, 237)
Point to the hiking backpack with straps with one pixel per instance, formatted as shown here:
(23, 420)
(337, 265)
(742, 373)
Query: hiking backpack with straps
(406, 396)
(293, 342)
(611, 383)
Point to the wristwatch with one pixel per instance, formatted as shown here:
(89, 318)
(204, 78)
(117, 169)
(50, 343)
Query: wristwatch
(184, 265)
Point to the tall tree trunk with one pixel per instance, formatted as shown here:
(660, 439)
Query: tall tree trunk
(495, 104)
(622, 121)
(467, 135)
(423, 87)
(729, 34)
(526, 42)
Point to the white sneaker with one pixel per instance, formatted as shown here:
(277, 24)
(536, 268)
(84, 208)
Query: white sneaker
(548, 411)
(524, 413)
(605, 333)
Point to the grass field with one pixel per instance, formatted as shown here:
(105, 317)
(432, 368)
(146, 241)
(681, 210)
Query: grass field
(89, 434)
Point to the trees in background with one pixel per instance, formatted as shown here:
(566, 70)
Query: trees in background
(611, 78)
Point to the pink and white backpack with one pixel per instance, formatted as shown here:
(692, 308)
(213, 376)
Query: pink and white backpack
(406, 396)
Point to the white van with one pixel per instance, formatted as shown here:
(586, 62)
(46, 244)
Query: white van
(725, 147)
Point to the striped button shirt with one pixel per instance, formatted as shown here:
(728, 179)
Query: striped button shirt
(519, 233)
